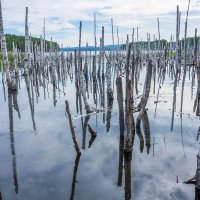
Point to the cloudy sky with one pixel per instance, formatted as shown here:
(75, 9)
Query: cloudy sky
(63, 16)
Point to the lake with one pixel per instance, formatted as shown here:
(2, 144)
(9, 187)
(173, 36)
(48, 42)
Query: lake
(38, 160)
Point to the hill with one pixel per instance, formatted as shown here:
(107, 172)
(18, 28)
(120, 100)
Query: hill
(20, 42)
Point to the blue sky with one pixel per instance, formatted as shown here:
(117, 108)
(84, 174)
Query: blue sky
(63, 16)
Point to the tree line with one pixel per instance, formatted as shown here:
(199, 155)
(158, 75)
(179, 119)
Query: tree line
(20, 42)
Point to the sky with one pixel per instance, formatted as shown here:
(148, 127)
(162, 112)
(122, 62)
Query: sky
(63, 17)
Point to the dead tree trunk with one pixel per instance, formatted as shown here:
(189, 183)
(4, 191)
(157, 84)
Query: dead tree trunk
(27, 45)
(120, 104)
(81, 75)
(145, 96)
(129, 103)
(72, 128)
(4, 50)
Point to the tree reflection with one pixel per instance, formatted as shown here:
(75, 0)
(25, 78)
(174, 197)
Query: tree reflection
(12, 141)
(74, 180)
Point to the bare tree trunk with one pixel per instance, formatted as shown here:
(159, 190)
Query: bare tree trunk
(27, 45)
(72, 128)
(129, 103)
(185, 64)
(120, 104)
(145, 96)
(121, 125)
(4, 50)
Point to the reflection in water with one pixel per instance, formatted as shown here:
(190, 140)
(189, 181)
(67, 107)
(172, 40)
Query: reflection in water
(15, 103)
(196, 179)
(56, 75)
(72, 128)
(198, 133)
(146, 128)
(127, 172)
(74, 181)
(31, 104)
(4, 92)
(12, 142)
(197, 193)
(93, 135)
(121, 159)
(141, 138)
(85, 131)
(109, 111)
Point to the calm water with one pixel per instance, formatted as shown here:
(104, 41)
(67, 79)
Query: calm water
(40, 164)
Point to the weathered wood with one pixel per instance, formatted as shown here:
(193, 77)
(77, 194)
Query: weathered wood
(128, 106)
(185, 64)
(109, 111)
(72, 128)
(146, 91)
(178, 68)
(27, 45)
(4, 50)
(120, 104)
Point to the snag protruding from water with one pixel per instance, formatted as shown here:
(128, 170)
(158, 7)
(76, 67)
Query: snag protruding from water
(146, 91)
(72, 128)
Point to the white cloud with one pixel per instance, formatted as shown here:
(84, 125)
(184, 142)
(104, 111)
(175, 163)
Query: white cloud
(62, 17)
